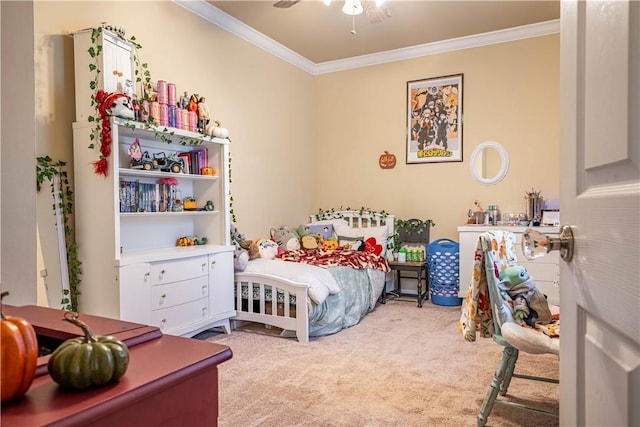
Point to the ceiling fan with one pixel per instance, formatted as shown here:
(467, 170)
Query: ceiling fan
(375, 10)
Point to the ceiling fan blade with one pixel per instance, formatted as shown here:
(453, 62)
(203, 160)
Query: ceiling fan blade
(375, 13)
(285, 3)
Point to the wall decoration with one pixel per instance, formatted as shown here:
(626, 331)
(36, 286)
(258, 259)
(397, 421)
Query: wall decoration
(434, 120)
(387, 160)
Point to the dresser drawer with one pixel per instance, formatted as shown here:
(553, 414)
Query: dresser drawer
(181, 269)
(180, 315)
(164, 296)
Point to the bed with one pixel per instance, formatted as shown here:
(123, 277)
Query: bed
(307, 300)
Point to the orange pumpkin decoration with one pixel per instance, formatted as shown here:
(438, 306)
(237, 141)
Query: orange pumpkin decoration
(387, 160)
(19, 355)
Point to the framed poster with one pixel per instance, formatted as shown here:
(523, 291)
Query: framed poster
(434, 120)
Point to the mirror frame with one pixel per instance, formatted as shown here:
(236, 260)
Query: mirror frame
(504, 159)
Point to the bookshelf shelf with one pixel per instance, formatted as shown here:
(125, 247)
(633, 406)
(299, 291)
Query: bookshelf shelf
(128, 172)
(168, 214)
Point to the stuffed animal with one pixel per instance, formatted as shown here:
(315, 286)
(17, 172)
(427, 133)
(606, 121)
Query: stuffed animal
(287, 240)
(330, 245)
(240, 255)
(371, 245)
(310, 242)
(260, 248)
(529, 304)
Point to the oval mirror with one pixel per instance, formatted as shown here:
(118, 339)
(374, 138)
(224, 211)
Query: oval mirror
(489, 163)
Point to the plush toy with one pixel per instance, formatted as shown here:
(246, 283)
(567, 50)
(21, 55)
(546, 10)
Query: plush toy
(330, 245)
(310, 242)
(240, 255)
(371, 245)
(260, 248)
(287, 240)
(529, 304)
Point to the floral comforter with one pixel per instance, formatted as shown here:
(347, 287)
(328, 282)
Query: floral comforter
(353, 259)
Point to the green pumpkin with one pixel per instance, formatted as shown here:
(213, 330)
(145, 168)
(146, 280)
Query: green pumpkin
(89, 361)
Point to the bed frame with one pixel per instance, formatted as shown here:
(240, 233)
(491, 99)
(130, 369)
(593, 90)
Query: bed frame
(263, 308)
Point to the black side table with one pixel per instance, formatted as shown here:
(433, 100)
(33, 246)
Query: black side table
(420, 268)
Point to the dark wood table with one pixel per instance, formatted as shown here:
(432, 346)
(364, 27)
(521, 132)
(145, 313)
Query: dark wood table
(420, 269)
(170, 380)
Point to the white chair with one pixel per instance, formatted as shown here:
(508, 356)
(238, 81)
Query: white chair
(488, 310)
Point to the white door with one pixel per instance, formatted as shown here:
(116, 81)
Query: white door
(600, 198)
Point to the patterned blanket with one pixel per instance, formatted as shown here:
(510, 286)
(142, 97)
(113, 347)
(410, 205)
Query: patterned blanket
(335, 258)
(477, 314)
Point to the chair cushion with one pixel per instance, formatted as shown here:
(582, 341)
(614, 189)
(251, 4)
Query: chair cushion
(529, 340)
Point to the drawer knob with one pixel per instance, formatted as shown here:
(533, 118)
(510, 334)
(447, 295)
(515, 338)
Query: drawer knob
(535, 244)
(146, 276)
(213, 264)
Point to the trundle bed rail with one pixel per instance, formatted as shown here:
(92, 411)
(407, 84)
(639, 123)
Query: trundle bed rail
(286, 307)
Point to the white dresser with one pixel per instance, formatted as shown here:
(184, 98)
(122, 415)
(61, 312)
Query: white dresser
(544, 270)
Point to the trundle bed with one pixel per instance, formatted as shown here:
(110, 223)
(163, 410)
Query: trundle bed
(310, 300)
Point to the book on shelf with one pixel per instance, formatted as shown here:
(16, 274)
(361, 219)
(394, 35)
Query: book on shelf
(186, 158)
(145, 197)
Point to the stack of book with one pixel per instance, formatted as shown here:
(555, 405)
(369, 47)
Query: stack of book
(141, 197)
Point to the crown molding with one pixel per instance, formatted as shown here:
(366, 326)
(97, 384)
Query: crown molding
(242, 30)
(231, 24)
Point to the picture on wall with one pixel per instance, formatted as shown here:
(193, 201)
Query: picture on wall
(434, 120)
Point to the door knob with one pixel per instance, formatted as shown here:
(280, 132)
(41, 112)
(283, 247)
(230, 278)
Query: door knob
(536, 244)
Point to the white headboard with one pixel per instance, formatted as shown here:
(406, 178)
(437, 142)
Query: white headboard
(359, 219)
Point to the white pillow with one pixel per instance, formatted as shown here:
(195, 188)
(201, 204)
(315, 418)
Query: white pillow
(380, 233)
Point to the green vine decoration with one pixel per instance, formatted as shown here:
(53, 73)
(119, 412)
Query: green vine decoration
(47, 169)
(142, 76)
(410, 226)
(336, 214)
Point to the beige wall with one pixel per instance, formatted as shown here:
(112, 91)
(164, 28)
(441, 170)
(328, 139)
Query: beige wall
(264, 102)
(510, 96)
(302, 142)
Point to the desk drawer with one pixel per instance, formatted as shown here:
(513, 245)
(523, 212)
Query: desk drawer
(180, 315)
(181, 269)
(164, 296)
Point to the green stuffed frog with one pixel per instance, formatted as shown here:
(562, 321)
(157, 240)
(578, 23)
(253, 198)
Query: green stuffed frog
(529, 304)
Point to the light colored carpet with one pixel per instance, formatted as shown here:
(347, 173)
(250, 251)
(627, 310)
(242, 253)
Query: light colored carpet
(400, 366)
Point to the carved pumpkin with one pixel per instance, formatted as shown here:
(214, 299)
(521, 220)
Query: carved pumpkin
(387, 160)
(19, 349)
(89, 361)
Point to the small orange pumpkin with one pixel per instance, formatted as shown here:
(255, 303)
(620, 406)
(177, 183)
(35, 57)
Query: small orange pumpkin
(387, 160)
(19, 355)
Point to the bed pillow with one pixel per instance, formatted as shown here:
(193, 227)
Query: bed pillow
(380, 233)
(326, 230)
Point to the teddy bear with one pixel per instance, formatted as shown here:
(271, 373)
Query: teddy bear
(529, 304)
(286, 239)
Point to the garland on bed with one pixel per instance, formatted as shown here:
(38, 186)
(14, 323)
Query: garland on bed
(333, 214)
(410, 226)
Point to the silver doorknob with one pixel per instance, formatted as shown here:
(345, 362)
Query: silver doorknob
(536, 244)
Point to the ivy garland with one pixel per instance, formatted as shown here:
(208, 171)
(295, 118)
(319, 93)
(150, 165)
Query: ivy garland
(142, 76)
(411, 226)
(46, 169)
